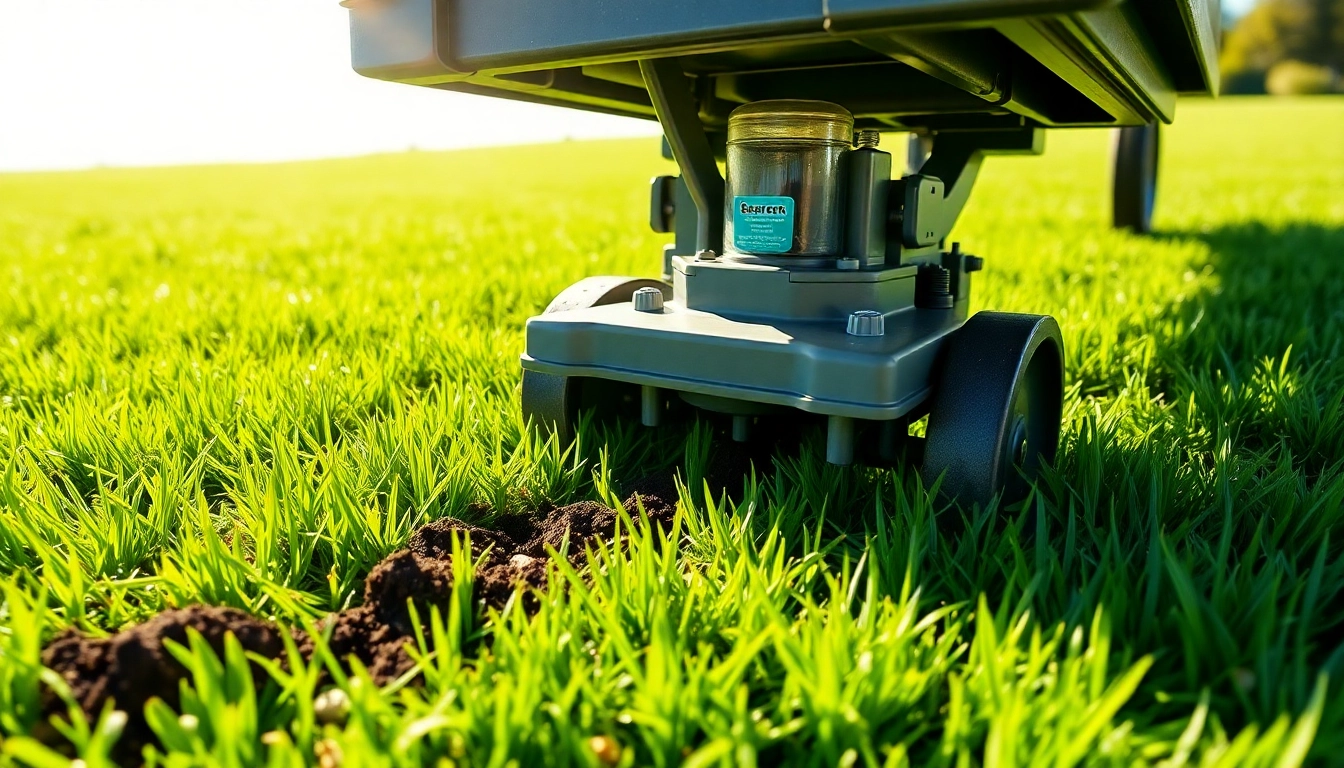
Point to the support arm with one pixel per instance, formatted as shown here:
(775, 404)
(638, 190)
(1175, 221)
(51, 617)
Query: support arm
(956, 160)
(676, 111)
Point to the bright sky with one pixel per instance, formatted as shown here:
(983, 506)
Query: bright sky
(154, 82)
(151, 82)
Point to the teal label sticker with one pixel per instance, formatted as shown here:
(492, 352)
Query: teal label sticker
(762, 224)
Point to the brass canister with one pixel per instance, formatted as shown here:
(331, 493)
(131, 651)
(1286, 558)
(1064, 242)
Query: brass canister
(785, 185)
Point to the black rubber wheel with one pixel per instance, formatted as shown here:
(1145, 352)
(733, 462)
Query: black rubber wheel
(1134, 192)
(552, 403)
(996, 407)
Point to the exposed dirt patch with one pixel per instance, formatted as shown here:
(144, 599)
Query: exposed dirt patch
(435, 540)
(377, 633)
(658, 493)
(133, 666)
(379, 646)
(583, 522)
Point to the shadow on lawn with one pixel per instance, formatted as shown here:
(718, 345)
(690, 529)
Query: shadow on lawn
(1277, 287)
(1264, 348)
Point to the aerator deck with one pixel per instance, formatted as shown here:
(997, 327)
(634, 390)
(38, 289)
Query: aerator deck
(812, 282)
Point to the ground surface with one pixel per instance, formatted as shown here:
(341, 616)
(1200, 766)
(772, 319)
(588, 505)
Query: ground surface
(247, 386)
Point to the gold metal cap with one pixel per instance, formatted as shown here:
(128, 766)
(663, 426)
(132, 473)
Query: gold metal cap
(791, 119)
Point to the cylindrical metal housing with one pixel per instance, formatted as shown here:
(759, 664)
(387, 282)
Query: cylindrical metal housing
(786, 179)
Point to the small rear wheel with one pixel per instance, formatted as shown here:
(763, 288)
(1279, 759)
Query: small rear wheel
(1134, 193)
(552, 402)
(995, 415)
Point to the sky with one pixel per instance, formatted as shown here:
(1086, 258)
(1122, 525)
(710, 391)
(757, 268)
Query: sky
(87, 83)
(161, 82)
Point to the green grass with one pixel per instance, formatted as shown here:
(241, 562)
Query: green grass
(246, 385)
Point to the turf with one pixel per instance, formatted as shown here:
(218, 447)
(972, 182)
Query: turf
(244, 386)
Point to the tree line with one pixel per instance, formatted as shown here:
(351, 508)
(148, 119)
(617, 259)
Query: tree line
(1286, 46)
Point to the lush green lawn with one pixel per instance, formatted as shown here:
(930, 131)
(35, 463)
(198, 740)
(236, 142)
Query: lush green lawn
(247, 385)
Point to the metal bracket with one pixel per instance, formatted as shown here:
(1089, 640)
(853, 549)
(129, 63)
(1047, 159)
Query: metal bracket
(933, 198)
(676, 110)
(671, 210)
(922, 220)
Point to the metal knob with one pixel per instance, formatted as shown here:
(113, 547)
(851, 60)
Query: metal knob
(648, 300)
(866, 322)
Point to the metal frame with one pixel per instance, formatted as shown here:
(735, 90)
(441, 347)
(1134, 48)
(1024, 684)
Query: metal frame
(896, 64)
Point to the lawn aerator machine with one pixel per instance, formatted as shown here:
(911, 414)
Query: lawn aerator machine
(804, 283)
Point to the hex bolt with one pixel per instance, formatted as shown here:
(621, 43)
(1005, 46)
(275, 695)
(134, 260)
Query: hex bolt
(847, 264)
(648, 300)
(706, 255)
(867, 138)
(866, 322)
(650, 405)
(840, 440)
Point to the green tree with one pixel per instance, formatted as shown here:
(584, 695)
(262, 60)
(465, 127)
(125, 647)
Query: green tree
(1275, 31)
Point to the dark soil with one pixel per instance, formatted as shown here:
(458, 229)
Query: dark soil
(133, 666)
(659, 495)
(377, 633)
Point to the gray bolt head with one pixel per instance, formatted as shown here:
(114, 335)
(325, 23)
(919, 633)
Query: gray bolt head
(847, 264)
(706, 255)
(648, 300)
(866, 322)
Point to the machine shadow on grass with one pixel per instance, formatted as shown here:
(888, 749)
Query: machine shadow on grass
(1276, 312)
(1259, 374)
(1277, 286)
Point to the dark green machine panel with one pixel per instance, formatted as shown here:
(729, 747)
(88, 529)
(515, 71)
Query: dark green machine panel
(896, 64)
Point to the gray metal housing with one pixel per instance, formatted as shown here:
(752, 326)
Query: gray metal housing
(759, 334)
(895, 64)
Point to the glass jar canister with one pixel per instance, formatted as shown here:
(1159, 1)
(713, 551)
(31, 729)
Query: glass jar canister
(785, 185)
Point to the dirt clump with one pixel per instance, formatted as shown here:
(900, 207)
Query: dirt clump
(379, 646)
(134, 665)
(583, 523)
(435, 540)
(658, 493)
(511, 553)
